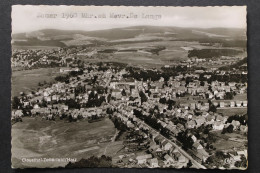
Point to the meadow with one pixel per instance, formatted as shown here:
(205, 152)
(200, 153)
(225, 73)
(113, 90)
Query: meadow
(28, 80)
(36, 138)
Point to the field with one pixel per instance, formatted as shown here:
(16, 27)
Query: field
(232, 111)
(36, 138)
(28, 80)
(230, 141)
(34, 47)
(149, 54)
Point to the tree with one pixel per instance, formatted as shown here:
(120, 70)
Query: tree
(162, 100)
(212, 108)
(103, 161)
(229, 96)
(229, 129)
(143, 96)
(123, 92)
(72, 104)
(16, 103)
(242, 163)
(189, 164)
(186, 140)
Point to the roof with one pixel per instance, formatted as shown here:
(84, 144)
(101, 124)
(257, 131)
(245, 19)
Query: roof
(154, 160)
(167, 157)
(196, 144)
(147, 156)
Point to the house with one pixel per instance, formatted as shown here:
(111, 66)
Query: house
(197, 146)
(235, 124)
(153, 135)
(181, 159)
(116, 93)
(244, 103)
(201, 154)
(243, 128)
(238, 103)
(235, 158)
(205, 107)
(222, 104)
(232, 104)
(158, 151)
(194, 138)
(152, 149)
(142, 159)
(158, 139)
(153, 162)
(36, 106)
(192, 106)
(218, 125)
(220, 118)
(241, 153)
(199, 121)
(191, 124)
(166, 145)
(210, 119)
(168, 159)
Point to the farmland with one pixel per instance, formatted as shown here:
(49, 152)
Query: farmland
(34, 138)
(28, 80)
(229, 141)
(232, 111)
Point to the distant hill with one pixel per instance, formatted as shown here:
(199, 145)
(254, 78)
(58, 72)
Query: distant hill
(57, 37)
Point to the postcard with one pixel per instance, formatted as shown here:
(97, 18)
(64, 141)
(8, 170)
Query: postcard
(129, 87)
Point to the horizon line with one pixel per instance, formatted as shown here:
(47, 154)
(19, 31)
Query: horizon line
(128, 27)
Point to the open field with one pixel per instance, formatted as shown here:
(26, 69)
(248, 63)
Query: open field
(28, 80)
(149, 54)
(36, 138)
(233, 111)
(240, 97)
(35, 47)
(227, 142)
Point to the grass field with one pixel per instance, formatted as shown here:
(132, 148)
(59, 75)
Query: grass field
(36, 138)
(232, 111)
(227, 142)
(27, 80)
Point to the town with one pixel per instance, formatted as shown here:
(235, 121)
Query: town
(175, 116)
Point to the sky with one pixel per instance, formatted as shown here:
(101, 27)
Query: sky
(27, 18)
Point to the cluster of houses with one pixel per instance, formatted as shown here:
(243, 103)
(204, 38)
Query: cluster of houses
(29, 59)
(123, 94)
(160, 148)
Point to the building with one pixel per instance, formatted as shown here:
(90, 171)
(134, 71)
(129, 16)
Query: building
(153, 162)
(143, 158)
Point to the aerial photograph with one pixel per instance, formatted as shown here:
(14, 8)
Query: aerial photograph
(129, 87)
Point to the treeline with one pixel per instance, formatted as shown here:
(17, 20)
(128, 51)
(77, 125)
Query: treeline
(224, 43)
(65, 78)
(243, 119)
(92, 162)
(210, 53)
(236, 65)
(238, 78)
(37, 42)
(94, 100)
(156, 50)
(154, 75)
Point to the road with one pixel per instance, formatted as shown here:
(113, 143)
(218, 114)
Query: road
(194, 162)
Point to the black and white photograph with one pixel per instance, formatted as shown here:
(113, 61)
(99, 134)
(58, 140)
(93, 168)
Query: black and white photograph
(129, 87)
